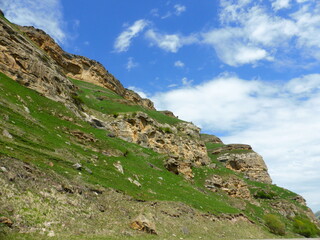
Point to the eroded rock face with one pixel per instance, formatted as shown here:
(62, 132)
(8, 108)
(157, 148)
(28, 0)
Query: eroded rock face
(24, 62)
(249, 163)
(230, 147)
(180, 142)
(233, 186)
(83, 68)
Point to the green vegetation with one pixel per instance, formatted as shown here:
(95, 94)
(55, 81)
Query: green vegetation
(43, 135)
(274, 224)
(304, 227)
(105, 101)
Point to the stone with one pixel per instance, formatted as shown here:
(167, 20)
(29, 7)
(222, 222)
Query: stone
(251, 164)
(233, 186)
(181, 141)
(142, 223)
(3, 169)
(230, 147)
(51, 233)
(119, 167)
(6, 134)
(6, 221)
(77, 166)
(135, 182)
(112, 135)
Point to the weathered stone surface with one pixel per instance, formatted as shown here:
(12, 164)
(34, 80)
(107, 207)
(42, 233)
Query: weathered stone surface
(142, 223)
(251, 164)
(24, 62)
(168, 113)
(83, 68)
(230, 147)
(119, 167)
(181, 142)
(6, 134)
(233, 186)
(6, 221)
(210, 138)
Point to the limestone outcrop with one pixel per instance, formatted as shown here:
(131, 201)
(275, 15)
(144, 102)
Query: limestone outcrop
(24, 62)
(233, 186)
(82, 68)
(181, 142)
(251, 164)
(230, 147)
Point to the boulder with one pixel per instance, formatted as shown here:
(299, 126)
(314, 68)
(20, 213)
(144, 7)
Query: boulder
(142, 223)
(251, 164)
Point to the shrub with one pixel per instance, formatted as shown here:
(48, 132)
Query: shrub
(305, 227)
(166, 130)
(274, 224)
(264, 194)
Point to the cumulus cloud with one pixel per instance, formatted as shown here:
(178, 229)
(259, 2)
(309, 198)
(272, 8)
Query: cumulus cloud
(179, 64)
(169, 42)
(251, 31)
(179, 9)
(123, 41)
(131, 64)
(279, 4)
(43, 14)
(280, 121)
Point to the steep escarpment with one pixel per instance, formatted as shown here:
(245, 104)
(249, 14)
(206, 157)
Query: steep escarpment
(88, 159)
(82, 68)
(24, 62)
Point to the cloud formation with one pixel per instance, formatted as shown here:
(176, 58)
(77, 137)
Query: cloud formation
(280, 121)
(179, 64)
(43, 14)
(131, 64)
(251, 31)
(123, 41)
(169, 42)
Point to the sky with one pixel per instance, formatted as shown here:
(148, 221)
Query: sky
(244, 70)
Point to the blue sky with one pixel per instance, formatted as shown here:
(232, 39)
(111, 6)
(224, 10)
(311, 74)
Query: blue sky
(244, 70)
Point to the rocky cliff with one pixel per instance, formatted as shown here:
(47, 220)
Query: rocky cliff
(82, 68)
(77, 155)
(23, 61)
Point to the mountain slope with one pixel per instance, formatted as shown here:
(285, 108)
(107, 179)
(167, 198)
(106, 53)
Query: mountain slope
(85, 158)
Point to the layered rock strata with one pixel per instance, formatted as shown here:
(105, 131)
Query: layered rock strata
(24, 62)
(251, 164)
(83, 68)
(180, 142)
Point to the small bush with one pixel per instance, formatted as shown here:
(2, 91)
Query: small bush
(166, 130)
(305, 227)
(275, 225)
(261, 194)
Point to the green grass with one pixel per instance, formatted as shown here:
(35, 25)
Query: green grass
(42, 137)
(105, 101)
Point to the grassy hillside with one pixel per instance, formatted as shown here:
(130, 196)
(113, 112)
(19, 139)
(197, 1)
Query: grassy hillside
(42, 188)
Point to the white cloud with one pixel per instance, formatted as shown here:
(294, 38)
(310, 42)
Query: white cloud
(179, 9)
(123, 41)
(131, 64)
(179, 64)
(255, 32)
(43, 14)
(232, 49)
(279, 4)
(169, 42)
(280, 121)
(186, 82)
